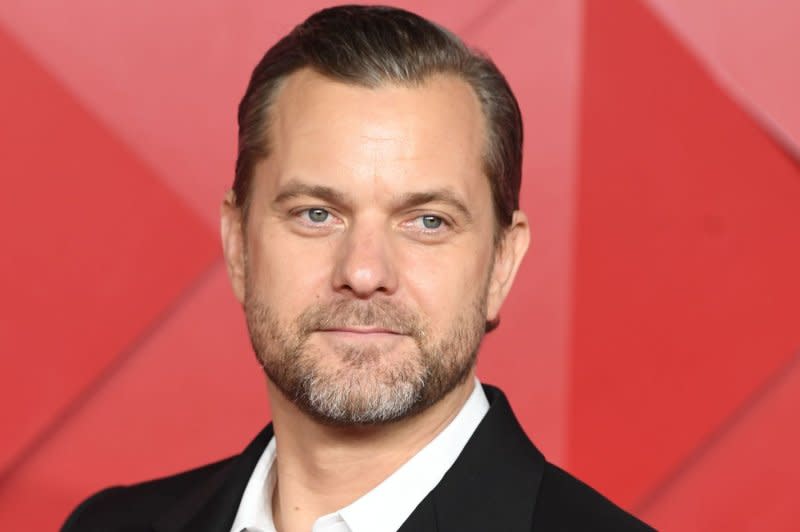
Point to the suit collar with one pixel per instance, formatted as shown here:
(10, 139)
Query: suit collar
(212, 504)
(491, 486)
(494, 483)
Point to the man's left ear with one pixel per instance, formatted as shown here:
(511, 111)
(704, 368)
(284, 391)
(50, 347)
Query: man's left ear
(507, 258)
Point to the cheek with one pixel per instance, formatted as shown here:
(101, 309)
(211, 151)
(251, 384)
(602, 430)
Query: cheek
(288, 275)
(445, 282)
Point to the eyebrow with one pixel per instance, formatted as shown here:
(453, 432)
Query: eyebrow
(295, 189)
(408, 200)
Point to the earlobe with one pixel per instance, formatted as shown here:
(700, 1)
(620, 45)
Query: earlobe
(233, 247)
(508, 257)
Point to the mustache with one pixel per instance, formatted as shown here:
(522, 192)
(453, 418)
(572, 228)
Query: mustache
(381, 314)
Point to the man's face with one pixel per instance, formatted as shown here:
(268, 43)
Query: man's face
(367, 266)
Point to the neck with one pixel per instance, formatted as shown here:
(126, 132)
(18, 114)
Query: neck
(321, 469)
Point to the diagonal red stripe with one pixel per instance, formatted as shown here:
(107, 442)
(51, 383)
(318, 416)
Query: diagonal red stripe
(744, 477)
(95, 247)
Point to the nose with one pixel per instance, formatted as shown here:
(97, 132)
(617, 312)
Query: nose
(364, 265)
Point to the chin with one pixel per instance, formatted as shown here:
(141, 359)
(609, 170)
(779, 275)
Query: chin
(361, 398)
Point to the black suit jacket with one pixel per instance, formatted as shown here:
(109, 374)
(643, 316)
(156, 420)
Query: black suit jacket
(500, 482)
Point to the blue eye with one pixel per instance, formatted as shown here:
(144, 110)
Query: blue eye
(318, 215)
(431, 222)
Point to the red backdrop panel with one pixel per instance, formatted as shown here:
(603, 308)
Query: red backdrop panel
(94, 249)
(686, 282)
(752, 49)
(746, 476)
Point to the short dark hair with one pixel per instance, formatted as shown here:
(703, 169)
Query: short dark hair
(371, 46)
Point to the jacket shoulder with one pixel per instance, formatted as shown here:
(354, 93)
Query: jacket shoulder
(133, 508)
(565, 503)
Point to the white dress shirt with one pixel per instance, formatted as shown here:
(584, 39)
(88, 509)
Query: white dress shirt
(386, 507)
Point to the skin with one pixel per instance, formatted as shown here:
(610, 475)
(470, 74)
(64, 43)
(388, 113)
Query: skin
(374, 148)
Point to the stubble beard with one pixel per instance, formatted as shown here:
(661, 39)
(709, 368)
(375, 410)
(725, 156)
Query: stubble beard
(360, 386)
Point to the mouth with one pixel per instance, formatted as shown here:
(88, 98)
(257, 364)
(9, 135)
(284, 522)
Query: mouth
(362, 331)
(358, 335)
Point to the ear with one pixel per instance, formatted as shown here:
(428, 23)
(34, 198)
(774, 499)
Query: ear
(507, 258)
(233, 247)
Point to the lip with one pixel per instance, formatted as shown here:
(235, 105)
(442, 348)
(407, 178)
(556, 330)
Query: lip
(360, 330)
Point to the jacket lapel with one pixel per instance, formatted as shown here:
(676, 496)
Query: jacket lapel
(493, 484)
(211, 506)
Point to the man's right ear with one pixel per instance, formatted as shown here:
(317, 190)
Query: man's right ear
(233, 247)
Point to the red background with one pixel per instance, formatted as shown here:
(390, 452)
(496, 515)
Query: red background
(651, 344)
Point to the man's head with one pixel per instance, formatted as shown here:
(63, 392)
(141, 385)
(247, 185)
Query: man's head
(373, 228)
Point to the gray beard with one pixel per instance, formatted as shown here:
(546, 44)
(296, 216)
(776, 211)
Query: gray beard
(363, 389)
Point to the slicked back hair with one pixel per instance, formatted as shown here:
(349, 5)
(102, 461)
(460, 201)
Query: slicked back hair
(371, 46)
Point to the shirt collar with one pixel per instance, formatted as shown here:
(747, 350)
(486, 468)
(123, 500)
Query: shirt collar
(388, 505)
(255, 508)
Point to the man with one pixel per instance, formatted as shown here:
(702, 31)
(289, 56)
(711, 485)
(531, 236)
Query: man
(372, 234)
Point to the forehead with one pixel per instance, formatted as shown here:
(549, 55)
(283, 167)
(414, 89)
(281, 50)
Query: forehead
(397, 134)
